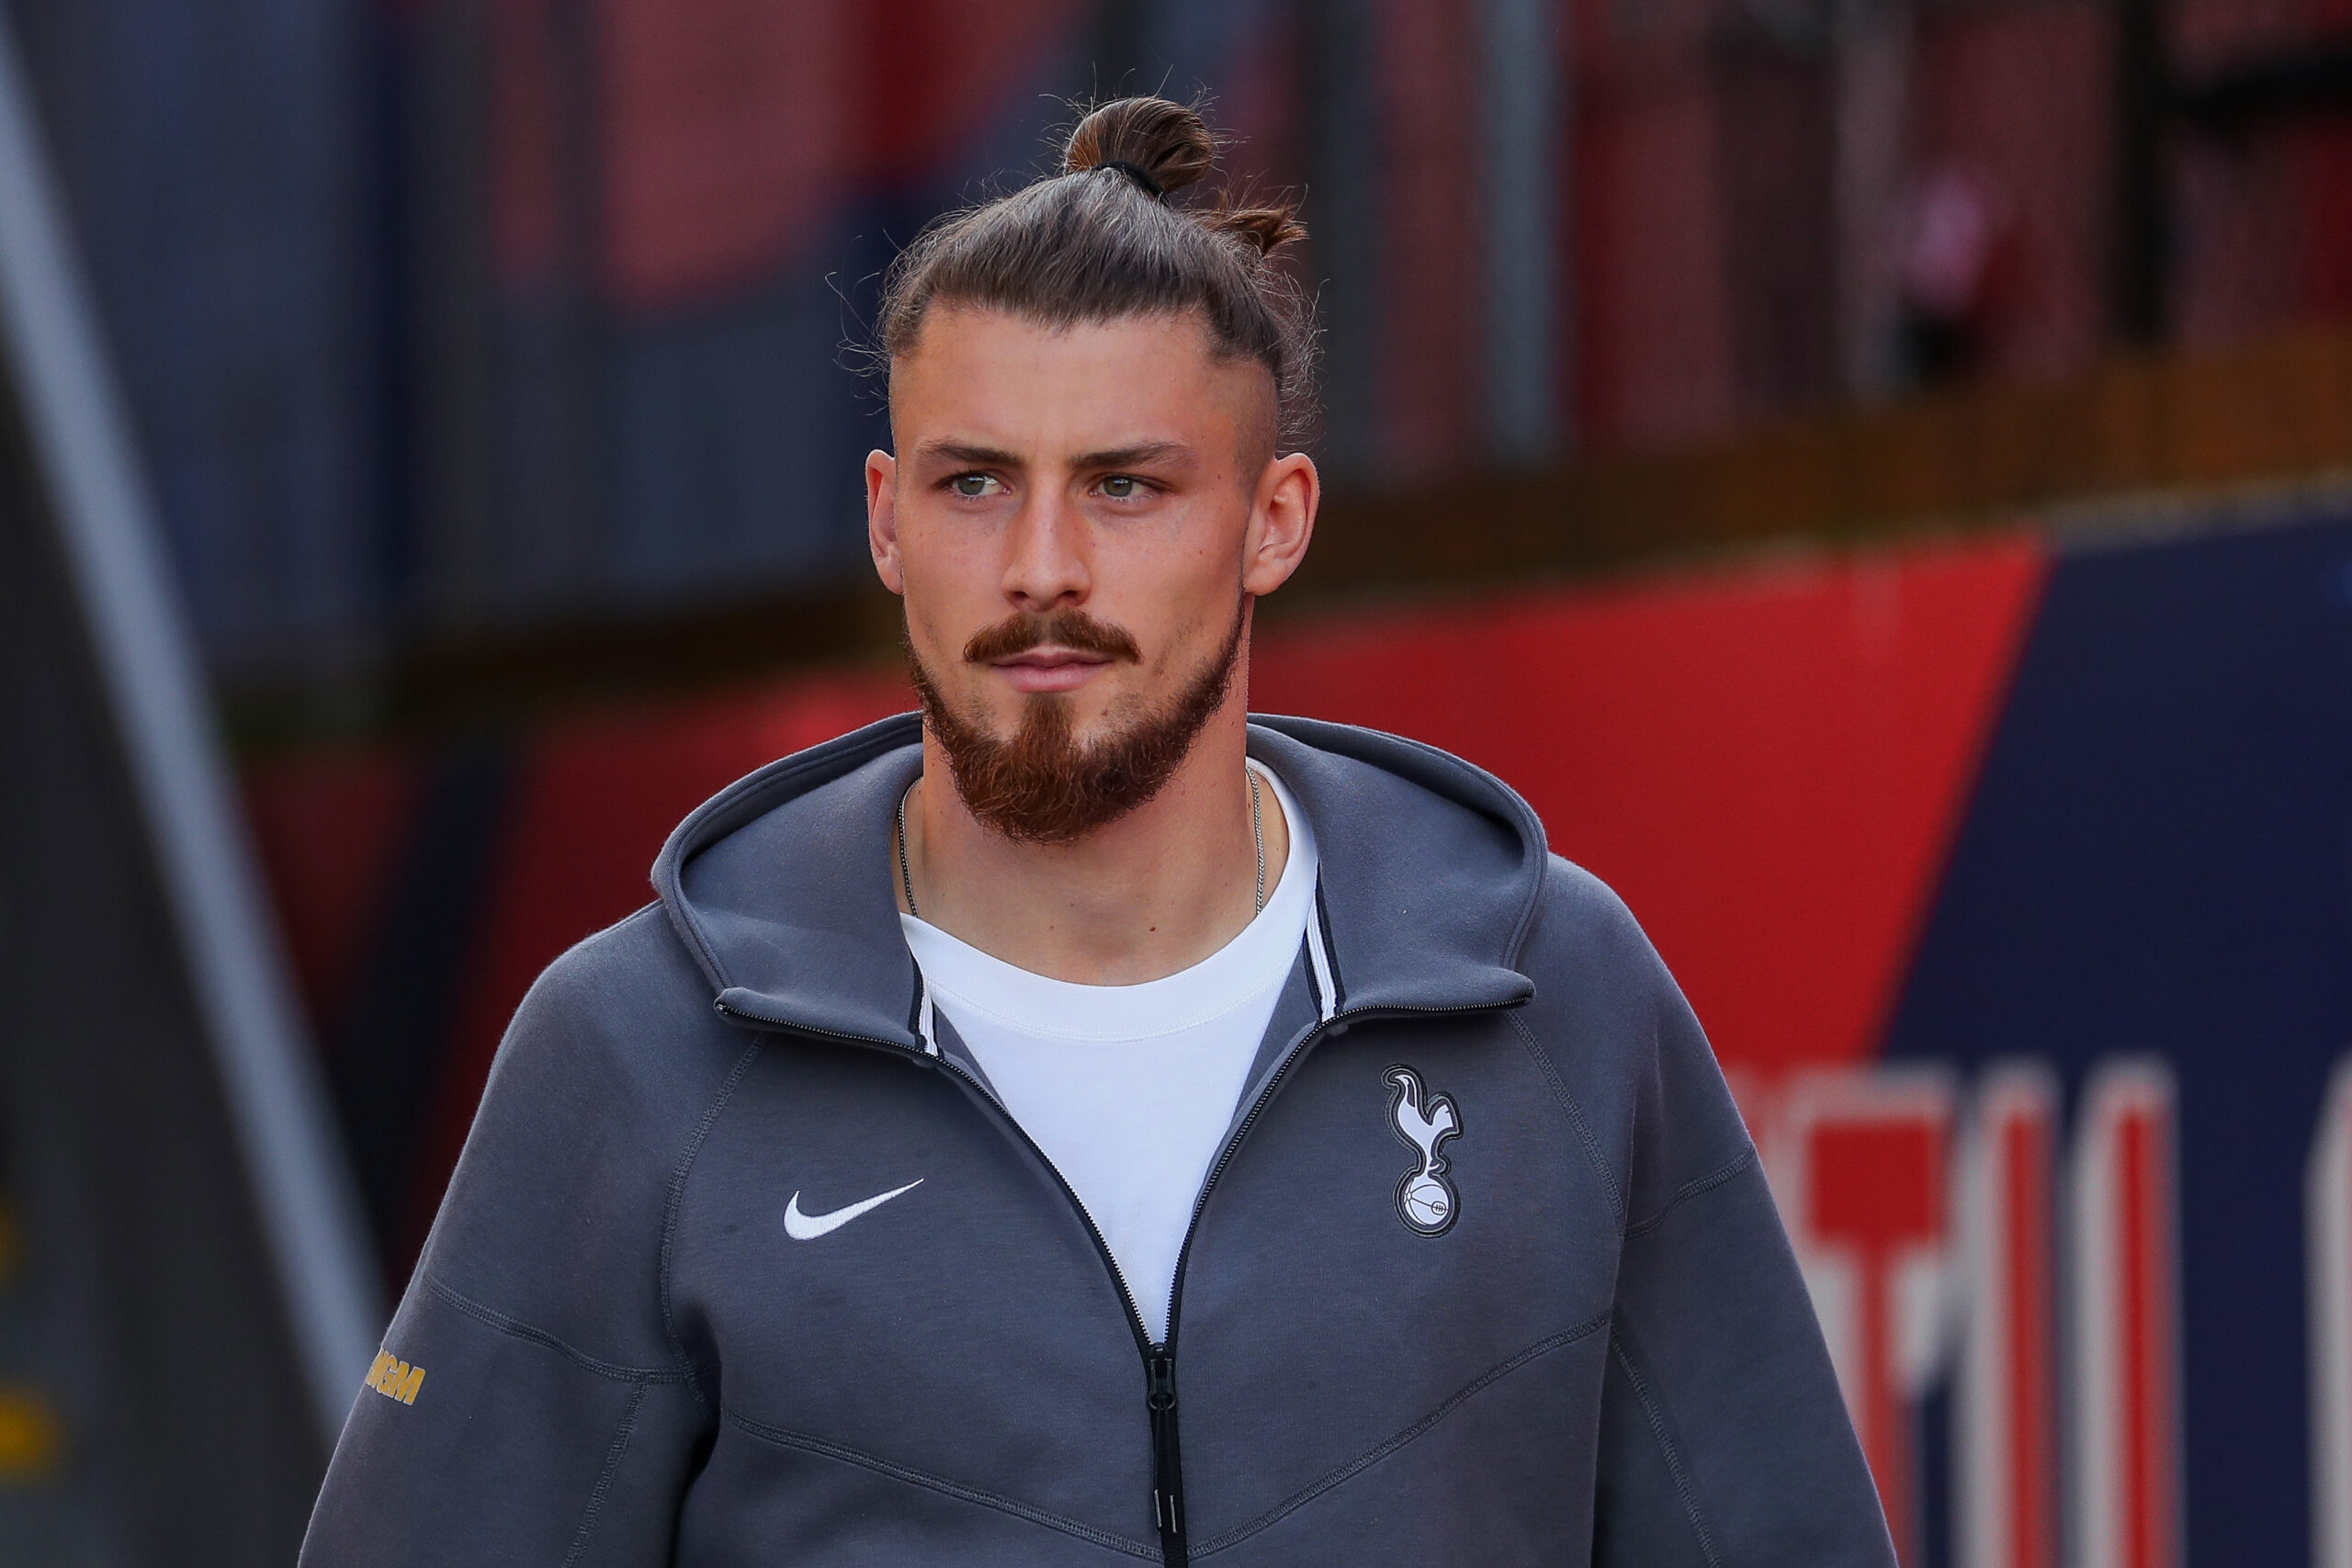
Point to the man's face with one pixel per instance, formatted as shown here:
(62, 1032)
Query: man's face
(1077, 520)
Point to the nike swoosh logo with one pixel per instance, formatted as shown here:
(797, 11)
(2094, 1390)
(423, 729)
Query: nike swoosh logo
(808, 1227)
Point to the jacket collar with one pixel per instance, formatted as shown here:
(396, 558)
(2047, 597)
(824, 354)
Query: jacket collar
(780, 885)
(1430, 867)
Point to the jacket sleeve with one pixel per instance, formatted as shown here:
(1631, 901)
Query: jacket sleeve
(1724, 1438)
(531, 1404)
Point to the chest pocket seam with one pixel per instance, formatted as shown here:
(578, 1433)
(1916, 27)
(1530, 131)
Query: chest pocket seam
(807, 1443)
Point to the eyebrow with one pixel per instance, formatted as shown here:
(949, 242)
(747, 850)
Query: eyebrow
(960, 452)
(1133, 456)
(1138, 456)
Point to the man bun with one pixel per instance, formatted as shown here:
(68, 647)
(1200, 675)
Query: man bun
(1103, 240)
(1163, 147)
(1168, 145)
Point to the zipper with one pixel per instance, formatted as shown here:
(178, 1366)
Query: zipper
(1224, 1157)
(979, 1091)
(1158, 1363)
(1167, 1496)
(1158, 1357)
(1166, 1473)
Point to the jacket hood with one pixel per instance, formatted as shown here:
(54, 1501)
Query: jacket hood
(781, 885)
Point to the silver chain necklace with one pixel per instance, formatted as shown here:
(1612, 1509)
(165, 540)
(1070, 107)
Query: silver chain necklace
(1257, 831)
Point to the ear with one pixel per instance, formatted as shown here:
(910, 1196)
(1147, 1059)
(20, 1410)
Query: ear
(1282, 521)
(882, 519)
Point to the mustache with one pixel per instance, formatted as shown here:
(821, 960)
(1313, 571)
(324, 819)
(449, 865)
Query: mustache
(1020, 632)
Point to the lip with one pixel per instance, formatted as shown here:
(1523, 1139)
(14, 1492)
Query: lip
(1049, 668)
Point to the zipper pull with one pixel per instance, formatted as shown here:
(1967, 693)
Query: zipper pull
(1167, 1486)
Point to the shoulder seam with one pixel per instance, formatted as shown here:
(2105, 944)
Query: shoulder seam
(1576, 1117)
(518, 1329)
(1674, 1466)
(1694, 1187)
(677, 1198)
(635, 917)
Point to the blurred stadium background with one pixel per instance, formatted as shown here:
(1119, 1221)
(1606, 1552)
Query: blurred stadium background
(1877, 474)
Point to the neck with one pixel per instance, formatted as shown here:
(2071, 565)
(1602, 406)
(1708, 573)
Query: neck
(1153, 893)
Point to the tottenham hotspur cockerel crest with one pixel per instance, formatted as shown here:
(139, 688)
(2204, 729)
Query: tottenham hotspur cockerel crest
(1423, 1122)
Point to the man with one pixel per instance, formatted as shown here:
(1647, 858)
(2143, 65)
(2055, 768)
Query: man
(1087, 1125)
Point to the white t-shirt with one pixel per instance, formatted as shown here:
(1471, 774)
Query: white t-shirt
(1130, 1089)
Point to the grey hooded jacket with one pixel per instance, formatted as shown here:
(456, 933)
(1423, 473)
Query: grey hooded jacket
(1570, 1332)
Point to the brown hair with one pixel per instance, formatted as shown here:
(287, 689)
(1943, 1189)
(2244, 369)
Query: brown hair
(1101, 240)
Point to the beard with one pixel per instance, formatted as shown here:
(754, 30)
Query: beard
(1039, 785)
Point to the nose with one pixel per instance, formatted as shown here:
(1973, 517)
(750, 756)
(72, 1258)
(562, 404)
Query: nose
(1045, 563)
